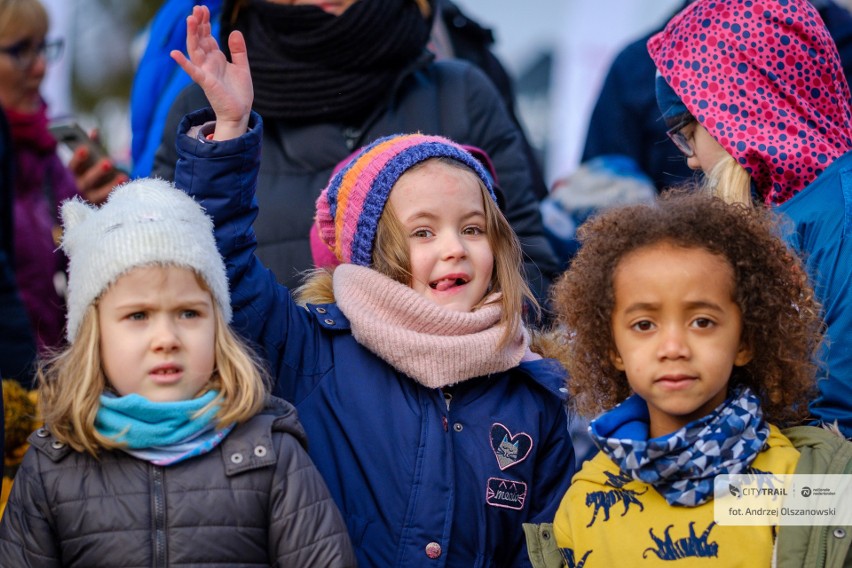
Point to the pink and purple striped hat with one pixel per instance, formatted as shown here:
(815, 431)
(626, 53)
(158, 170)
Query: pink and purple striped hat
(348, 210)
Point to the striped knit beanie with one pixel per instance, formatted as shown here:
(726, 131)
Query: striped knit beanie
(348, 210)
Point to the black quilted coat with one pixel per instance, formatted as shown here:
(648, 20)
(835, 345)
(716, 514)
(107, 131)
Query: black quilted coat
(255, 500)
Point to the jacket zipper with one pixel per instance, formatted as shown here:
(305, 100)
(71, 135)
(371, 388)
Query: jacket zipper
(158, 497)
(448, 398)
(351, 136)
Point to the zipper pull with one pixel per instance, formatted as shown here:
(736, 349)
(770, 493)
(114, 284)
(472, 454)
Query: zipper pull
(351, 136)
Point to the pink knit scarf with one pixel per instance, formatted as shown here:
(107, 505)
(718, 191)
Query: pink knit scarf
(434, 346)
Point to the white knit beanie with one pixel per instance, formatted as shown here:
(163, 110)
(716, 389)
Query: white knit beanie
(146, 221)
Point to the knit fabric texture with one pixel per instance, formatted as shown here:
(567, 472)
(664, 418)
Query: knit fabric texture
(348, 210)
(310, 66)
(144, 222)
(431, 344)
(141, 423)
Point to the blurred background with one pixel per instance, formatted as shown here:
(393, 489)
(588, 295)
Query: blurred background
(556, 50)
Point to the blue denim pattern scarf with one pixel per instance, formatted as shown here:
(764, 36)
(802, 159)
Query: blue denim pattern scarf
(681, 465)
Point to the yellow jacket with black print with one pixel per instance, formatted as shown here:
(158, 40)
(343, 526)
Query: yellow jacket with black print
(603, 506)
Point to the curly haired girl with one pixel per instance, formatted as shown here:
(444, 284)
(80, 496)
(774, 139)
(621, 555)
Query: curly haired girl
(693, 328)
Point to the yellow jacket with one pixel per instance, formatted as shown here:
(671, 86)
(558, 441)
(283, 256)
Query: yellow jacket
(608, 519)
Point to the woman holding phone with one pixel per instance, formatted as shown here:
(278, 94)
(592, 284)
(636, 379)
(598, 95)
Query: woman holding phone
(41, 181)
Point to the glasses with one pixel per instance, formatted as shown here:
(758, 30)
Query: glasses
(679, 138)
(24, 53)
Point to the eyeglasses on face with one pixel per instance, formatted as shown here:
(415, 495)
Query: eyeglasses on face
(24, 53)
(675, 133)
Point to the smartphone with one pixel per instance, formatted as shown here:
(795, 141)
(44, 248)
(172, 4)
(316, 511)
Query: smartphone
(72, 136)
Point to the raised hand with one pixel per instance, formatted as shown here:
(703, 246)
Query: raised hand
(227, 85)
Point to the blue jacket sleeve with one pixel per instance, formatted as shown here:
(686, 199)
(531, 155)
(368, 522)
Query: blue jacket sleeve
(222, 177)
(158, 79)
(555, 470)
(820, 230)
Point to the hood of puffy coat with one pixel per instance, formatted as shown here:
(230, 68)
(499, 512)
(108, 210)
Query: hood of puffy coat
(764, 78)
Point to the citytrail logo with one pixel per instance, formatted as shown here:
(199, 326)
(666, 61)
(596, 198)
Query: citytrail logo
(765, 491)
(741, 485)
(740, 492)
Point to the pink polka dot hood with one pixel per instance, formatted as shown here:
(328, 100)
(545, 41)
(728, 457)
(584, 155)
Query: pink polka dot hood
(764, 78)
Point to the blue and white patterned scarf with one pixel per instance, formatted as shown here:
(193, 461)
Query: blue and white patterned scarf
(681, 465)
(162, 433)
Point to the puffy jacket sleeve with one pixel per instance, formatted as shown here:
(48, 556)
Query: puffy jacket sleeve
(555, 469)
(27, 537)
(305, 525)
(490, 127)
(556, 466)
(222, 177)
(819, 228)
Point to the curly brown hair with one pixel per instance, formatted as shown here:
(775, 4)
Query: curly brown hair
(781, 317)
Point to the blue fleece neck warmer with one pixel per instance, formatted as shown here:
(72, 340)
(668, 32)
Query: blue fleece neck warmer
(162, 433)
(136, 421)
(681, 466)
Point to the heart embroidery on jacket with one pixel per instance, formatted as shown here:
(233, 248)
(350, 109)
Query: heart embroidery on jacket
(508, 448)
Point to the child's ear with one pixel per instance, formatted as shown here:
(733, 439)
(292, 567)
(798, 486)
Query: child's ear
(744, 355)
(616, 360)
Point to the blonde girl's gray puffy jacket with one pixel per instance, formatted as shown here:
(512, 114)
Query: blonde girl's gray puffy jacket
(254, 500)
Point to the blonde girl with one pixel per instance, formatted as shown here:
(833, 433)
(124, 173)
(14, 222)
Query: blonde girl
(161, 445)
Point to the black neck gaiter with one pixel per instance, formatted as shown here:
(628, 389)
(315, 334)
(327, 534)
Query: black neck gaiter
(307, 65)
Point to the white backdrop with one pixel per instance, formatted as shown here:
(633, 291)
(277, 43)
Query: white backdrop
(585, 35)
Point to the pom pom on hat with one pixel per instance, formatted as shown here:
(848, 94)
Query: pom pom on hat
(348, 210)
(146, 221)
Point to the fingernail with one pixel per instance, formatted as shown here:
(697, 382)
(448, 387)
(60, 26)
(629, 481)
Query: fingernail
(106, 166)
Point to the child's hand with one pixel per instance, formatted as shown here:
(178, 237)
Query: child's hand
(227, 85)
